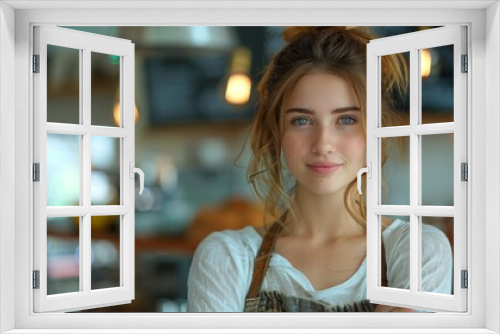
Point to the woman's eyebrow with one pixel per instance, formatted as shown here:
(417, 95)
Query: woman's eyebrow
(346, 109)
(335, 111)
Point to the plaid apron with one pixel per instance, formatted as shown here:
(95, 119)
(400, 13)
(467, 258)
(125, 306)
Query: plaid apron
(274, 301)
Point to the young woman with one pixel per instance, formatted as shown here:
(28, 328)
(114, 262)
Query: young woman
(308, 143)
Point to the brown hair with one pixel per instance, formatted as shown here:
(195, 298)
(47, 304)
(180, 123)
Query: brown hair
(336, 50)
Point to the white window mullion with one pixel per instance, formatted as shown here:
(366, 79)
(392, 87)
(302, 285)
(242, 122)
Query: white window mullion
(40, 156)
(373, 156)
(414, 166)
(86, 237)
(80, 130)
(127, 230)
(123, 184)
(434, 129)
(421, 210)
(422, 129)
(79, 211)
(85, 254)
(395, 131)
(109, 132)
(460, 156)
(109, 210)
(392, 210)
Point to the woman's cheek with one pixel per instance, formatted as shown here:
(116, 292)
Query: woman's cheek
(355, 141)
(291, 148)
(358, 147)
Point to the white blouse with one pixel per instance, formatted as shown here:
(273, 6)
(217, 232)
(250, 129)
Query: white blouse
(222, 268)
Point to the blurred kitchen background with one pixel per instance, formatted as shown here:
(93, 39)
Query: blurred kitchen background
(195, 96)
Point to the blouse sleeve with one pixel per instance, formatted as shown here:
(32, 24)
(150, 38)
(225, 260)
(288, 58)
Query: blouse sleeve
(218, 277)
(437, 261)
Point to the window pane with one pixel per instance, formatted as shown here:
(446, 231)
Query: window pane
(437, 84)
(63, 85)
(63, 255)
(105, 250)
(63, 170)
(396, 236)
(437, 255)
(395, 105)
(105, 155)
(437, 170)
(105, 84)
(396, 171)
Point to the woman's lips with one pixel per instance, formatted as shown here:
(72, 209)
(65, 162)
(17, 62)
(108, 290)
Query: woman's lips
(324, 168)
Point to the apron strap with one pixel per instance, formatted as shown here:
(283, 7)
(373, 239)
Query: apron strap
(262, 260)
(384, 265)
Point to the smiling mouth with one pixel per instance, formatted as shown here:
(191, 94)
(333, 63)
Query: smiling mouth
(324, 169)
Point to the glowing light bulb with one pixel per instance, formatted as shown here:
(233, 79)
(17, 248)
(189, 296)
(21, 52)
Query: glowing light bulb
(116, 113)
(238, 89)
(425, 63)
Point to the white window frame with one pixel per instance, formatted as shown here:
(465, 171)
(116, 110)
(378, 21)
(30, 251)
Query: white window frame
(413, 43)
(85, 43)
(16, 21)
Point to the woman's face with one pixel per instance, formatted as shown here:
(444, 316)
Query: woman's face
(323, 141)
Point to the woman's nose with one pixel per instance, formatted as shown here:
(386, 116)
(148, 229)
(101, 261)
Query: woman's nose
(324, 141)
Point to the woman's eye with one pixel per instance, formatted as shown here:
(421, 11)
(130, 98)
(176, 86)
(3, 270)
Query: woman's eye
(347, 120)
(300, 121)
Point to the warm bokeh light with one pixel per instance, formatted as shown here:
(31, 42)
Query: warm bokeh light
(116, 113)
(238, 89)
(426, 62)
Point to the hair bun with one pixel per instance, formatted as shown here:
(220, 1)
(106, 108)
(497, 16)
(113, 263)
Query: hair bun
(291, 33)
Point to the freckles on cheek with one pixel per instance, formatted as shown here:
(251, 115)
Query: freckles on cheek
(290, 147)
(355, 142)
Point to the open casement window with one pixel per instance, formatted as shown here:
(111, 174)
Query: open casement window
(73, 152)
(415, 203)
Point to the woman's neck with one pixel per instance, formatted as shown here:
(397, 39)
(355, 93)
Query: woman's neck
(322, 218)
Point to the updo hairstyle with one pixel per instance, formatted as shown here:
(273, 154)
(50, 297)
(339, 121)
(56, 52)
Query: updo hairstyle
(340, 51)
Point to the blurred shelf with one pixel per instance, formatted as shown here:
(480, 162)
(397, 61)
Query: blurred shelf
(177, 245)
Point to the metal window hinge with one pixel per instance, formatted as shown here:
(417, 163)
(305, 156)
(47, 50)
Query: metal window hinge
(36, 63)
(465, 172)
(36, 172)
(465, 64)
(465, 279)
(36, 279)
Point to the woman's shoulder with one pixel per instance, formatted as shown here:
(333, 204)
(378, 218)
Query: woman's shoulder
(398, 234)
(245, 241)
(221, 267)
(401, 226)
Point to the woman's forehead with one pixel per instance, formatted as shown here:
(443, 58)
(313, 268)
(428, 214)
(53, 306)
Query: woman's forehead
(321, 89)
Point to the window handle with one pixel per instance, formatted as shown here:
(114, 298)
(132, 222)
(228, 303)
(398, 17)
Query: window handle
(368, 171)
(141, 175)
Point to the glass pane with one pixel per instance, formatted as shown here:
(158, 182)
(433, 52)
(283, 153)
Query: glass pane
(395, 105)
(105, 250)
(437, 254)
(396, 235)
(63, 255)
(63, 85)
(396, 171)
(437, 169)
(437, 84)
(105, 82)
(63, 170)
(105, 156)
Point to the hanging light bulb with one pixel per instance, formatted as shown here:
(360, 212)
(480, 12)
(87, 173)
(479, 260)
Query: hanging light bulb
(425, 63)
(238, 89)
(116, 113)
(116, 109)
(239, 84)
